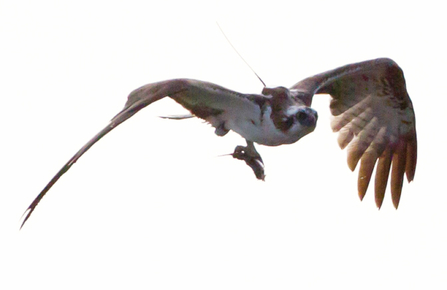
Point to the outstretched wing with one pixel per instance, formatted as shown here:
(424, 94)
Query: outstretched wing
(205, 100)
(375, 119)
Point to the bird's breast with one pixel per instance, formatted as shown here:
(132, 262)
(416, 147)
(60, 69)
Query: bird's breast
(260, 128)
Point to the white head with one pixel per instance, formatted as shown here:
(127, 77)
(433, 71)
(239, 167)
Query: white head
(290, 114)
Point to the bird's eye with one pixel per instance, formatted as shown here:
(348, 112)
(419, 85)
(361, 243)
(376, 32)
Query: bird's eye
(306, 118)
(301, 117)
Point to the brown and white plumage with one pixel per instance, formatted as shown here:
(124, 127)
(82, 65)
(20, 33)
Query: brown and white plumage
(375, 120)
(372, 113)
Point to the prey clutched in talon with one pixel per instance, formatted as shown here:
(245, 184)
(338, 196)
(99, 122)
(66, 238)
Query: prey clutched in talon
(251, 157)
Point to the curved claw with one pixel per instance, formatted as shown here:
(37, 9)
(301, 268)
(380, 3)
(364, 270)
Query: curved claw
(251, 158)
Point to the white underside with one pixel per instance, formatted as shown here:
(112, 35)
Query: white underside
(249, 125)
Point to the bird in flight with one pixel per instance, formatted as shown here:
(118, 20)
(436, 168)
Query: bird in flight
(371, 109)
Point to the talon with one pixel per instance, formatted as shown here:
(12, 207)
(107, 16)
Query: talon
(251, 158)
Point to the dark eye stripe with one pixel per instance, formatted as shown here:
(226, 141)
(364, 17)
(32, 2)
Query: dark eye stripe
(289, 122)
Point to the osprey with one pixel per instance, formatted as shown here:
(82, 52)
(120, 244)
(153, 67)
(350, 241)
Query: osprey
(373, 115)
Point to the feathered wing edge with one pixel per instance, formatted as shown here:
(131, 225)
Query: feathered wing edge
(400, 156)
(137, 100)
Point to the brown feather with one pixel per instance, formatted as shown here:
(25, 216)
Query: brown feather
(382, 173)
(410, 167)
(345, 136)
(366, 169)
(397, 172)
(355, 152)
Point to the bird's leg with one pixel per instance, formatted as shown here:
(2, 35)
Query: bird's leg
(251, 157)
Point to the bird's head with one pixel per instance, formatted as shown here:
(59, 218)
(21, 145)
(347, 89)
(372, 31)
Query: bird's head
(289, 112)
(299, 121)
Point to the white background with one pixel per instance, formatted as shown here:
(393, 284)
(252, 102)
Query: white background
(152, 206)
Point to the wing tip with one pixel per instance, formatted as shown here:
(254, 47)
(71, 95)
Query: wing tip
(25, 216)
(361, 195)
(378, 198)
(396, 200)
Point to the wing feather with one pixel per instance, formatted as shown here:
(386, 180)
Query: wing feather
(366, 169)
(362, 143)
(410, 168)
(345, 136)
(200, 98)
(398, 171)
(375, 120)
(382, 173)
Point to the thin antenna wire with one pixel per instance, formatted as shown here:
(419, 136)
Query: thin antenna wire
(221, 30)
